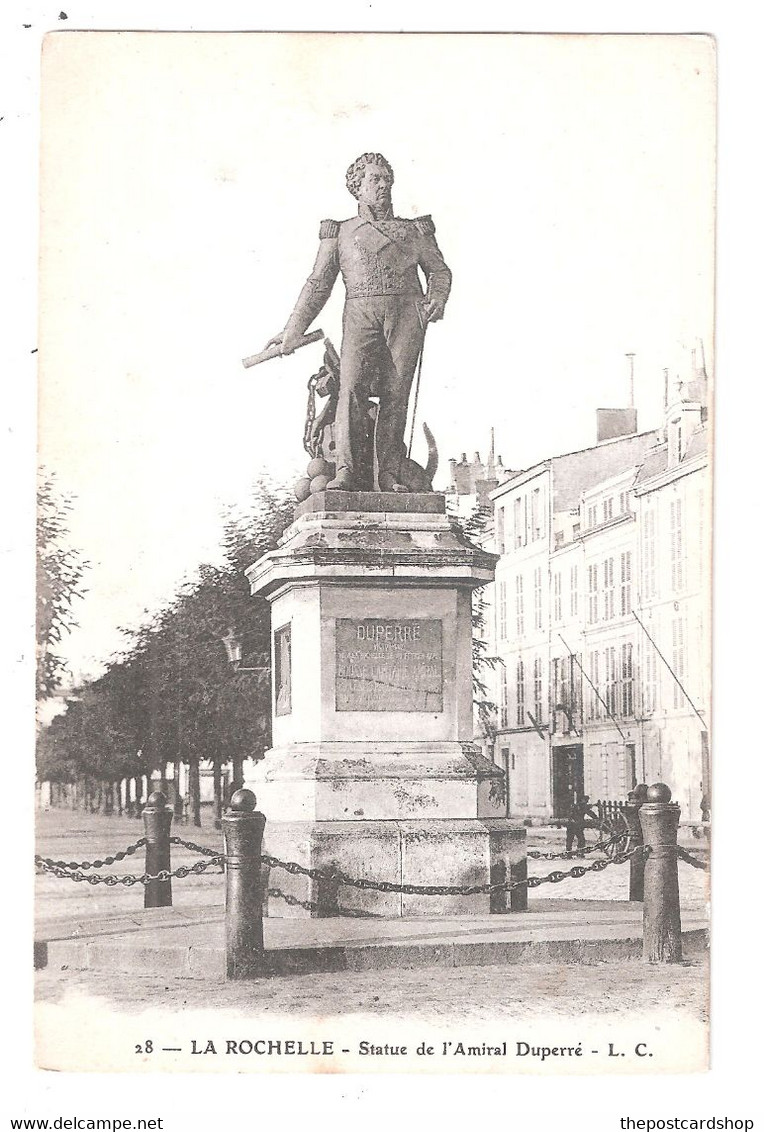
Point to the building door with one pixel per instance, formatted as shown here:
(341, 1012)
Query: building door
(567, 778)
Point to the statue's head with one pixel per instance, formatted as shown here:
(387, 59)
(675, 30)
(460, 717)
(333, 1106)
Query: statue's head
(370, 179)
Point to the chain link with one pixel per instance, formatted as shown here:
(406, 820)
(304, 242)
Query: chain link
(339, 878)
(120, 856)
(335, 877)
(683, 855)
(312, 906)
(194, 847)
(310, 415)
(570, 854)
(129, 879)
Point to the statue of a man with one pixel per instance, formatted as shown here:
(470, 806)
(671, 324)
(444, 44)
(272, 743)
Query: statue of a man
(383, 324)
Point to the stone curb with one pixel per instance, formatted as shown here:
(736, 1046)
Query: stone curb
(198, 962)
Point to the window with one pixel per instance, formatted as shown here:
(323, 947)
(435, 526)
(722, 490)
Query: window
(677, 545)
(593, 596)
(607, 509)
(282, 682)
(504, 697)
(622, 503)
(608, 590)
(519, 526)
(678, 658)
(595, 705)
(651, 679)
(500, 530)
(538, 709)
(627, 679)
(537, 598)
(649, 554)
(537, 514)
(502, 611)
(574, 591)
(625, 583)
(611, 681)
(520, 716)
(565, 682)
(557, 590)
(591, 516)
(519, 605)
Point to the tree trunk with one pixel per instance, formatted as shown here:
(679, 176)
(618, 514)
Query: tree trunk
(178, 800)
(138, 795)
(193, 789)
(128, 797)
(119, 797)
(217, 774)
(238, 773)
(109, 799)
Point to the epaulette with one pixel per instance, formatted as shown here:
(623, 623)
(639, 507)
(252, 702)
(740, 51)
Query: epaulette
(328, 230)
(425, 225)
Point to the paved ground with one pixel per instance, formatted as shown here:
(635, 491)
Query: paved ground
(97, 1018)
(607, 990)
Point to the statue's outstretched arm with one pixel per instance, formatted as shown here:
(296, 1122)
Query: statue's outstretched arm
(313, 296)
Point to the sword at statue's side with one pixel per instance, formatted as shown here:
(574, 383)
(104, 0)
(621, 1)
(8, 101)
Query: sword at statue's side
(275, 351)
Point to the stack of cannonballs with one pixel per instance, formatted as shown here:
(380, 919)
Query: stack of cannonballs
(320, 472)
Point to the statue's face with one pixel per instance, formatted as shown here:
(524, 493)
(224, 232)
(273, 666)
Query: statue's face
(375, 186)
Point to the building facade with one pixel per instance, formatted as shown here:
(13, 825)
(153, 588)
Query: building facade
(600, 617)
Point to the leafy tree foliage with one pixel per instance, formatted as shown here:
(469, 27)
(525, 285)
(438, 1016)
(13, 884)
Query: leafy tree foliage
(474, 528)
(60, 569)
(172, 696)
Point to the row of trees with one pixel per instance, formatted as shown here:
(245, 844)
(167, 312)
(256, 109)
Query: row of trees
(172, 697)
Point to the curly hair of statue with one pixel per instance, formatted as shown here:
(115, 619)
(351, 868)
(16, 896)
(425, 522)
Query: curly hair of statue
(355, 173)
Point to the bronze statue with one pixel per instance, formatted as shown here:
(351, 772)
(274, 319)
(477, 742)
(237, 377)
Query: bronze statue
(383, 327)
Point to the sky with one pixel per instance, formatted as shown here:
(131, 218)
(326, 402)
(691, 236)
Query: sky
(183, 179)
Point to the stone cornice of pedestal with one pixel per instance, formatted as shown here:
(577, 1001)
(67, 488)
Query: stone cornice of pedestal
(360, 761)
(403, 546)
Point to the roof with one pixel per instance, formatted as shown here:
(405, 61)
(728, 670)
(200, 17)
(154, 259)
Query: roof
(577, 471)
(656, 461)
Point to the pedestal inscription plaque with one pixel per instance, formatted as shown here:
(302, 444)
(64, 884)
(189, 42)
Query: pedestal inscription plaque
(389, 665)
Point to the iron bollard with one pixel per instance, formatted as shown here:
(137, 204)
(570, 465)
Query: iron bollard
(243, 829)
(518, 897)
(157, 819)
(662, 926)
(636, 863)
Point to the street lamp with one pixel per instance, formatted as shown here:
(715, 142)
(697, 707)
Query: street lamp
(232, 644)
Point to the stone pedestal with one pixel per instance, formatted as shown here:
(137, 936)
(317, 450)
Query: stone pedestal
(372, 768)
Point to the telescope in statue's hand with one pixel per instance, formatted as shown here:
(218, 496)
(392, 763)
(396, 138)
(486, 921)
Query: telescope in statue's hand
(276, 352)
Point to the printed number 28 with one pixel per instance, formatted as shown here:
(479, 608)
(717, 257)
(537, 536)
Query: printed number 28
(147, 1047)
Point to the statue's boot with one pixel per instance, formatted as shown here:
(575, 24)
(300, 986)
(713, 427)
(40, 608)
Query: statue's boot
(341, 482)
(388, 482)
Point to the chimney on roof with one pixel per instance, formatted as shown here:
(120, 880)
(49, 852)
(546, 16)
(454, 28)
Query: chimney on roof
(631, 380)
(615, 422)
